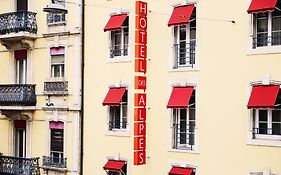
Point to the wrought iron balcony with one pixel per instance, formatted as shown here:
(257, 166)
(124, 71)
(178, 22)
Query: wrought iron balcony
(55, 162)
(184, 55)
(21, 21)
(19, 166)
(266, 131)
(118, 52)
(117, 125)
(17, 95)
(56, 87)
(263, 40)
(183, 136)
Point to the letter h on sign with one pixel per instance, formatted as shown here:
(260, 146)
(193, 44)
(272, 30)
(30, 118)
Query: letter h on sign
(141, 8)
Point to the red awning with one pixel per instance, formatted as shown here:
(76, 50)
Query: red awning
(261, 6)
(115, 22)
(181, 15)
(180, 97)
(20, 54)
(113, 165)
(114, 96)
(263, 96)
(181, 171)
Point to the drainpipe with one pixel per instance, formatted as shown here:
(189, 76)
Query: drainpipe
(82, 85)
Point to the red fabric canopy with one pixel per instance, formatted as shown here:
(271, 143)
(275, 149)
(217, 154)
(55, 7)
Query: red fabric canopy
(261, 6)
(114, 96)
(113, 165)
(263, 96)
(181, 15)
(180, 97)
(115, 22)
(181, 171)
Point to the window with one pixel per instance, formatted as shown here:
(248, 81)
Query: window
(120, 40)
(182, 102)
(53, 18)
(267, 28)
(21, 66)
(56, 158)
(183, 21)
(265, 102)
(57, 62)
(118, 114)
(267, 122)
(118, 26)
(184, 126)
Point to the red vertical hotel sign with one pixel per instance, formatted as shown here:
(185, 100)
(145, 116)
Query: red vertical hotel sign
(140, 84)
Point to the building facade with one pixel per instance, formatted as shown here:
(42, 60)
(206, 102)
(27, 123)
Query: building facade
(182, 87)
(40, 92)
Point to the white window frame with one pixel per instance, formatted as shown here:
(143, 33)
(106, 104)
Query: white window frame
(173, 67)
(122, 57)
(177, 121)
(196, 146)
(61, 67)
(121, 117)
(253, 33)
(24, 71)
(269, 125)
(177, 33)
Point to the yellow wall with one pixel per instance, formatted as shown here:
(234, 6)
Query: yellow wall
(223, 78)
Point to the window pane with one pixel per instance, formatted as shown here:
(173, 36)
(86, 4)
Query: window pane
(57, 140)
(263, 115)
(183, 126)
(124, 117)
(276, 128)
(183, 33)
(191, 113)
(262, 128)
(114, 118)
(262, 25)
(276, 116)
(56, 70)
(276, 23)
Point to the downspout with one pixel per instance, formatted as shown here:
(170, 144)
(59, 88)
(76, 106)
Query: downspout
(82, 85)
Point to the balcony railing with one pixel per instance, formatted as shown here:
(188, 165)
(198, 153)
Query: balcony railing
(21, 21)
(263, 40)
(55, 18)
(266, 131)
(184, 55)
(17, 95)
(56, 86)
(118, 52)
(55, 162)
(117, 125)
(183, 136)
(19, 166)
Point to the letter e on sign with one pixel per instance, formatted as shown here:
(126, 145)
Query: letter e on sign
(140, 143)
(139, 157)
